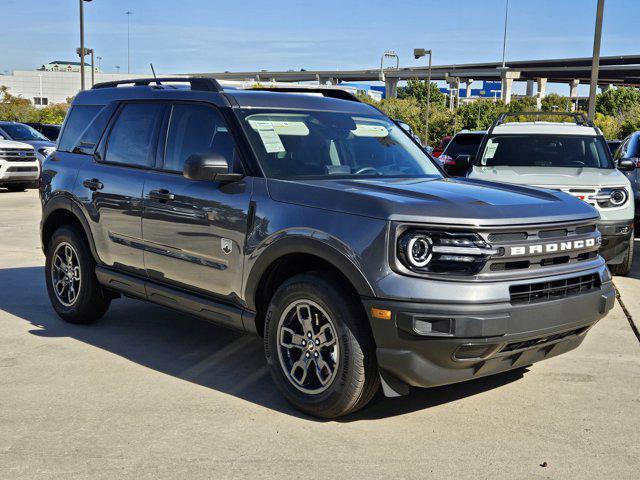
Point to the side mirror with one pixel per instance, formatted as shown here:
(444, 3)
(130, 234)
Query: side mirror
(209, 166)
(463, 163)
(626, 165)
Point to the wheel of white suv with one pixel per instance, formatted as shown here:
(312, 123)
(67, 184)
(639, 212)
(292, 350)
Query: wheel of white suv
(624, 268)
(319, 346)
(73, 288)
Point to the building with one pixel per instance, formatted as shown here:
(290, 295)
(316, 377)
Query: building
(61, 66)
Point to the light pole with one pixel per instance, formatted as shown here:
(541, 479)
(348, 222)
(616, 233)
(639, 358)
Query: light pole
(40, 79)
(595, 61)
(419, 53)
(128, 13)
(82, 53)
(99, 62)
(117, 67)
(504, 40)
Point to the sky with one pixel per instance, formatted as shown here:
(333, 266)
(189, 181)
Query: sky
(182, 36)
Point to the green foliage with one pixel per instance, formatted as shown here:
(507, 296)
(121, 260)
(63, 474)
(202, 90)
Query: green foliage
(523, 104)
(609, 125)
(556, 103)
(418, 89)
(18, 109)
(617, 101)
(406, 109)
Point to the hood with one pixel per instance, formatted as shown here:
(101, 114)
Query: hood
(13, 144)
(39, 143)
(551, 176)
(446, 200)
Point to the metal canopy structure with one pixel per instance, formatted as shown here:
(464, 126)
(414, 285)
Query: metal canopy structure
(618, 70)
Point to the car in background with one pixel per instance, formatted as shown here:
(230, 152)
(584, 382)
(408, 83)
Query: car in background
(465, 142)
(630, 150)
(49, 130)
(19, 168)
(20, 132)
(613, 145)
(437, 151)
(572, 157)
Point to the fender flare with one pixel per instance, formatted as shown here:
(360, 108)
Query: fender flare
(63, 202)
(306, 245)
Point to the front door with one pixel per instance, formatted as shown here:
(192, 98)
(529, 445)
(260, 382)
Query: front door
(194, 231)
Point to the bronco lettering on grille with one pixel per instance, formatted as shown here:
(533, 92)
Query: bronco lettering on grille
(554, 247)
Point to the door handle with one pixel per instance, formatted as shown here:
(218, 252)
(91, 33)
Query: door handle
(163, 195)
(93, 184)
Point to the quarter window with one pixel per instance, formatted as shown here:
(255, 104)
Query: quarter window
(131, 141)
(196, 129)
(78, 118)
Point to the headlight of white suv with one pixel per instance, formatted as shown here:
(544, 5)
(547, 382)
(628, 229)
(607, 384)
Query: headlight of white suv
(611, 197)
(46, 151)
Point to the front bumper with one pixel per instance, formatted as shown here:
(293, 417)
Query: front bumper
(19, 172)
(475, 340)
(616, 236)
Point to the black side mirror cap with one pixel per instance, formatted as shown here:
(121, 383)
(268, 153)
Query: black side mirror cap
(626, 165)
(463, 162)
(209, 166)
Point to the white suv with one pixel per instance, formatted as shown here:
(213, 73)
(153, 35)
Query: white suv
(571, 157)
(19, 167)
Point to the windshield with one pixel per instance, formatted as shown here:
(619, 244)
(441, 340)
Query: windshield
(19, 131)
(464, 144)
(546, 151)
(314, 144)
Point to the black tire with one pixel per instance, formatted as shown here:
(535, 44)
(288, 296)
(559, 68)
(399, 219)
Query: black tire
(623, 268)
(356, 378)
(17, 187)
(91, 301)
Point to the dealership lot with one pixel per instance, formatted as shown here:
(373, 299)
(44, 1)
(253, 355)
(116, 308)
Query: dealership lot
(148, 393)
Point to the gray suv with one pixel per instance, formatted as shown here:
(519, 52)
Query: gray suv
(314, 221)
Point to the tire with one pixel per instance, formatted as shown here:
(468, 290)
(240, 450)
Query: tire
(17, 187)
(622, 269)
(351, 359)
(90, 301)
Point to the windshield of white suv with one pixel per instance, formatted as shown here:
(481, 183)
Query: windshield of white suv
(318, 144)
(546, 151)
(19, 131)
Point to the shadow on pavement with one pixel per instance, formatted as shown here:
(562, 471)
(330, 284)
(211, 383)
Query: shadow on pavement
(193, 350)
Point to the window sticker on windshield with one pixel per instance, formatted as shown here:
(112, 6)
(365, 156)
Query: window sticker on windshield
(368, 130)
(269, 137)
(490, 151)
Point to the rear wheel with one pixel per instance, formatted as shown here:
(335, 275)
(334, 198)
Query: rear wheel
(319, 347)
(624, 267)
(17, 187)
(73, 288)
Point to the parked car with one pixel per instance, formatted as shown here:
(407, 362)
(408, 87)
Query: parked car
(613, 145)
(437, 151)
(317, 223)
(629, 150)
(465, 142)
(49, 130)
(19, 168)
(573, 158)
(26, 134)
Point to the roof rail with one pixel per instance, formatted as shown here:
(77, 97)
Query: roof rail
(208, 84)
(327, 92)
(578, 118)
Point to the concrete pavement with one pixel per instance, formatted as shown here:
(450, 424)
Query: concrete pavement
(150, 393)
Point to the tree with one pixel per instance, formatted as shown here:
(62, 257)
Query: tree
(523, 104)
(556, 103)
(418, 89)
(16, 109)
(609, 125)
(617, 101)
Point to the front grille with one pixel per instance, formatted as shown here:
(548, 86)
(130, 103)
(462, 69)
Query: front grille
(552, 290)
(17, 154)
(536, 342)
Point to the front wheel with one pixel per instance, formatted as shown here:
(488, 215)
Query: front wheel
(319, 346)
(623, 268)
(73, 288)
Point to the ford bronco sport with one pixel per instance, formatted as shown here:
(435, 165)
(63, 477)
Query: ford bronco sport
(568, 156)
(314, 221)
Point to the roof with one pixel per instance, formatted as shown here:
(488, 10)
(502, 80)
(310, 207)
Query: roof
(62, 62)
(307, 101)
(549, 128)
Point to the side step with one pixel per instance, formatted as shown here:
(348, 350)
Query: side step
(207, 309)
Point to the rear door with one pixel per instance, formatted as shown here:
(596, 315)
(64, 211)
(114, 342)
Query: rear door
(194, 231)
(111, 185)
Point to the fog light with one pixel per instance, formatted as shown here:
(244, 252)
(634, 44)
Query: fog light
(433, 326)
(623, 230)
(470, 352)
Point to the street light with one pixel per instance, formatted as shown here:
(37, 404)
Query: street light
(40, 78)
(99, 62)
(388, 54)
(419, 53)
(504, 40)
(117, 67)
(82, 52)
(595, 61)
(128, 13)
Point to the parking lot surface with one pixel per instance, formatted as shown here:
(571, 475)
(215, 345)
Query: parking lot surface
(150, 393)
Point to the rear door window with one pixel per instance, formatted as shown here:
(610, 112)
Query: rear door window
(133, 137)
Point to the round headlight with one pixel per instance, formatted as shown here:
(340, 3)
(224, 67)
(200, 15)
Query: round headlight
(618, 197)
(419, 250)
